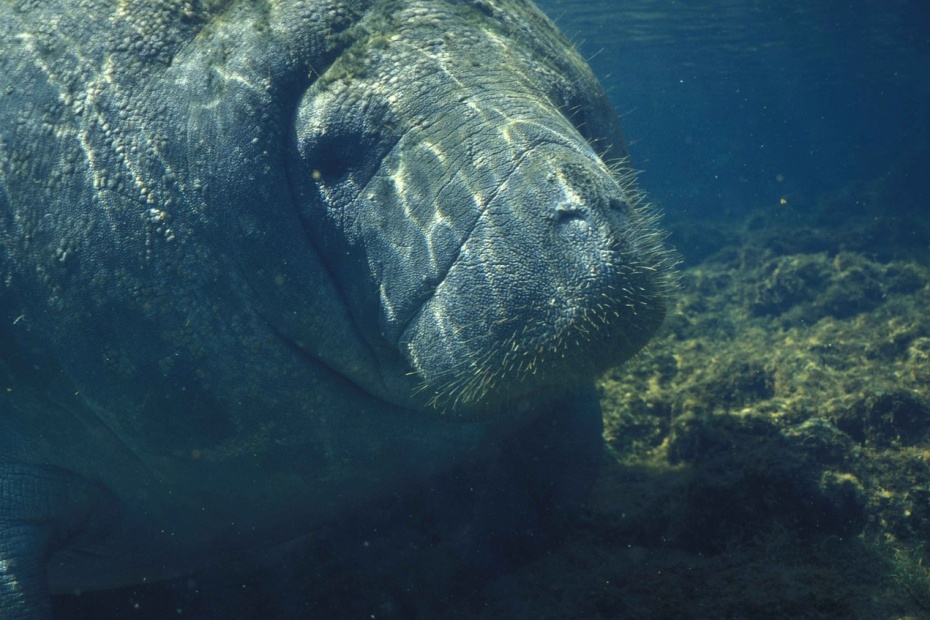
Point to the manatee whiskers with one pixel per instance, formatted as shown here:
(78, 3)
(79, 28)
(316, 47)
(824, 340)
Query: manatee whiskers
(545, 346)
(655, 255)
(539, 354)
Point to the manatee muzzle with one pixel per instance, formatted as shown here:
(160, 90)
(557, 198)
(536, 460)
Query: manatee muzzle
(559, 279)
(482, 249)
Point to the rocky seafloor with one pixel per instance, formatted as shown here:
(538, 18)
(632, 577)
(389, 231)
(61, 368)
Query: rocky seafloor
(768, 455)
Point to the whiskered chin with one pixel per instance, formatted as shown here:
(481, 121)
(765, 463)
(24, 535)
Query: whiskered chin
(474, 356)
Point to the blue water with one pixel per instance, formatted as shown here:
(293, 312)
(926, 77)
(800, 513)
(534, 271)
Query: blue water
(733, 105)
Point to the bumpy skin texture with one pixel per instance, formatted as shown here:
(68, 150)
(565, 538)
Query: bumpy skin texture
(263, 261)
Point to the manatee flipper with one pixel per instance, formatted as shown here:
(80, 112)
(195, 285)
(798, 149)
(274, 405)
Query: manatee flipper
(42, 510)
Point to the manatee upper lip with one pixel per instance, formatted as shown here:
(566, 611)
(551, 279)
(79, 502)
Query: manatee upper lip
(482, 213)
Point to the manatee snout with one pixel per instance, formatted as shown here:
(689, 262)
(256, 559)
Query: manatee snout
(561, 278)
(487, 251)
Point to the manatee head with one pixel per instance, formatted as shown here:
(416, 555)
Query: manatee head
(452, 172)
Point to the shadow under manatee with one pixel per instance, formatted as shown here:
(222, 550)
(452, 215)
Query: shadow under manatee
(728, 516)
(408, 556)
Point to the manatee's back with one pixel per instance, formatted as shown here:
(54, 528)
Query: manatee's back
(92, 186)
(117, 279)
(85, 176)
(139, 143)
(93, 196)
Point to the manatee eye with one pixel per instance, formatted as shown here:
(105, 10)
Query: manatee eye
(328, 157)
(347, 154)
(343, 134)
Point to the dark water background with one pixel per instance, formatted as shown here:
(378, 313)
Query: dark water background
(735, 104)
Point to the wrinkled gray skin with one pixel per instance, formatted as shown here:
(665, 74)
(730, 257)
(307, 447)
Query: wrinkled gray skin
(263, 261)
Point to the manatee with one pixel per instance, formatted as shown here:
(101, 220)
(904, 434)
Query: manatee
(265, 262)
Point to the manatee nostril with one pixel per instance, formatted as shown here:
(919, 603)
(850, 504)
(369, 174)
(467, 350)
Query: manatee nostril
(618, 204)
(566, 212)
